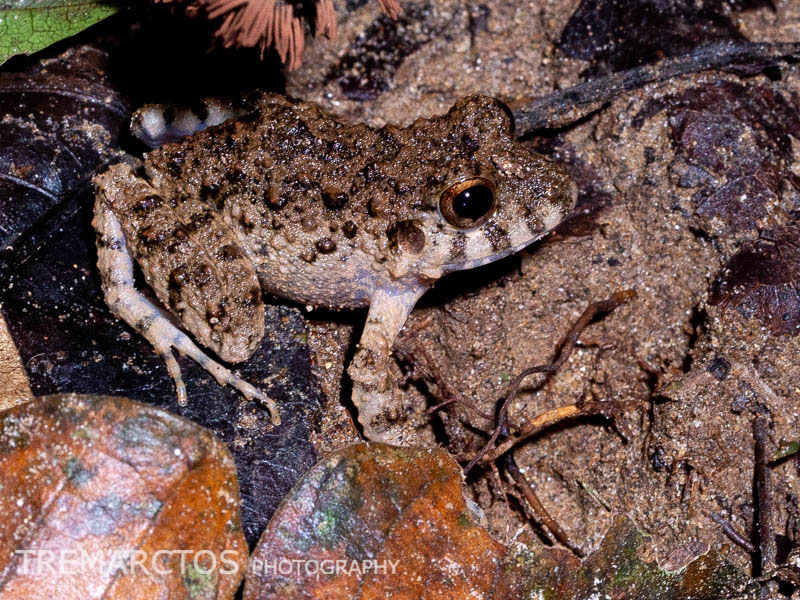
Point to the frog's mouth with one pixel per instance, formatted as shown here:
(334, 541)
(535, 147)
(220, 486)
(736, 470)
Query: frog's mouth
(485, 260)
(520, 236)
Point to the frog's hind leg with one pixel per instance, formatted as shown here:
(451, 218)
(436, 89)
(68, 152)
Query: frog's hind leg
(158, 124)
(116, 270)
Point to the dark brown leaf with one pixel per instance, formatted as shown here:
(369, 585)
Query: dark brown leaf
(62, 120)
(736, 142)
(618, 35)
(762, 279)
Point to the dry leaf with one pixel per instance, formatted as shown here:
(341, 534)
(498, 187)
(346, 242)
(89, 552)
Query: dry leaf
(619, 35)
(376, 521)
(62, 120)
(108, 498)
(735, 144)
(761, 280)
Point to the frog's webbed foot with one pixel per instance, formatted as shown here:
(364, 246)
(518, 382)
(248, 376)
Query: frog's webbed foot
(379, 415)
(116, 270)
(382, 418)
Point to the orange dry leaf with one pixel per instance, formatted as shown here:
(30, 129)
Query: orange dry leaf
(376, 521)
(376, 502)
(109, 498)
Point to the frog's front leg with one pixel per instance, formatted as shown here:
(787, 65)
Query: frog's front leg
(115, 263)
(369, 370)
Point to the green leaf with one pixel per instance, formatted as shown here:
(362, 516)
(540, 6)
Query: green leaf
(787, 449)
(30, 25)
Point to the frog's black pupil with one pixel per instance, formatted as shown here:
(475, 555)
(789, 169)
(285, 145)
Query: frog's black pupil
(473, 202)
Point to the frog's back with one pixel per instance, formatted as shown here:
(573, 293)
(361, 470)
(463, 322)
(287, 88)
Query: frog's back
(294, 183)
(282, 155)
(328, 211)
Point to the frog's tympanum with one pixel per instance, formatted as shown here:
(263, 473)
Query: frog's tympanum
(292, 200)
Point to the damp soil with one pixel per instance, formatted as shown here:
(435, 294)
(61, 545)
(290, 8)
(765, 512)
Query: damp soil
(677, 181)
(689, 195)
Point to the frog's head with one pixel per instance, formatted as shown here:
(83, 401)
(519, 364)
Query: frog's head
(491, 196)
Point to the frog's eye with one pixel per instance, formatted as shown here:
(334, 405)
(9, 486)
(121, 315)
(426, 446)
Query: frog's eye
(468, 203)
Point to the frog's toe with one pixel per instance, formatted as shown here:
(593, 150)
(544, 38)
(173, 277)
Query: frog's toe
(174, 371)
(382, 418)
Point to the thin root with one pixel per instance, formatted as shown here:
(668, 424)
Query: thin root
(537, 508)
(562, 413)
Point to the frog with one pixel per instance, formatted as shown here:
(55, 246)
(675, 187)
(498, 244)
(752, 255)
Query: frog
(291, 200)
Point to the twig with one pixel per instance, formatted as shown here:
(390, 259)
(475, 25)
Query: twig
(498, 481)
(764, 551)
(656, 376)
(543, 534)
(441, 405)
(595, 495)
(538, 510)
(594, 309)
(766, 539)
(549, 418)
(564, 350)
(567, 106)
(734, 535)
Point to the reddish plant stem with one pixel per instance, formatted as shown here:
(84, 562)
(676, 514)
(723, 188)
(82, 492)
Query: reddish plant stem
(537, 508)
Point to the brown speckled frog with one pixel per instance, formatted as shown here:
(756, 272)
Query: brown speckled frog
(297, 202)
